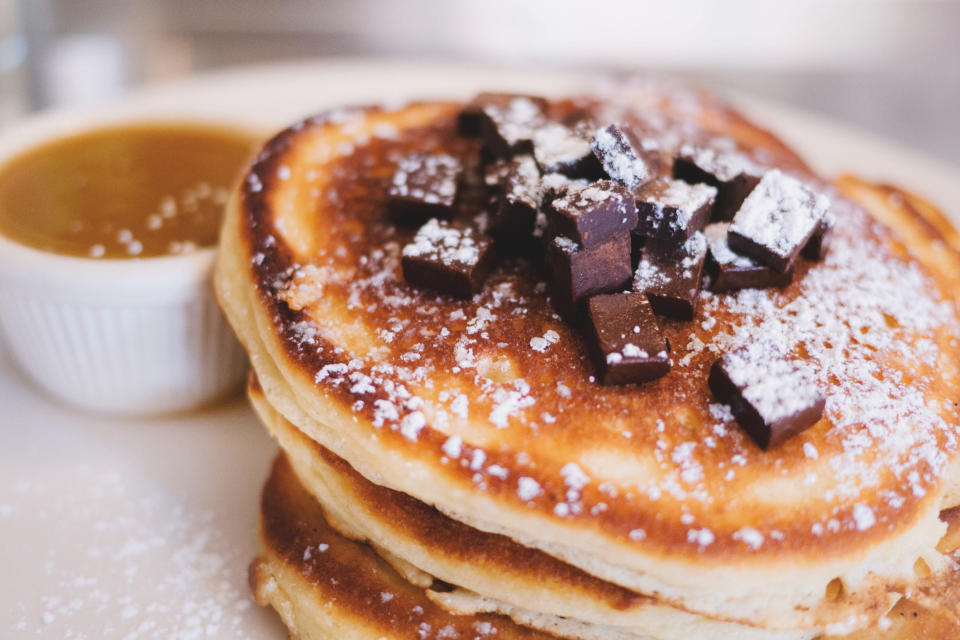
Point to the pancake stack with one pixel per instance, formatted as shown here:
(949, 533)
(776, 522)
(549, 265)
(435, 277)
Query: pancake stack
(451, 466)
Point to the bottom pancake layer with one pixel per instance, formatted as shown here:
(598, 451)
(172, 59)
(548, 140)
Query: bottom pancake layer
(327, 587)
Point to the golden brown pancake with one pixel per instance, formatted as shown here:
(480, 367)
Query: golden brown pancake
(327, 587)
(651, 487)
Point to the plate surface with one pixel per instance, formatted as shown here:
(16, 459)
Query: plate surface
(143, 528)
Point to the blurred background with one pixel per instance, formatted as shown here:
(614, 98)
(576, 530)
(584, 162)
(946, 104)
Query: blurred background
(892, 67)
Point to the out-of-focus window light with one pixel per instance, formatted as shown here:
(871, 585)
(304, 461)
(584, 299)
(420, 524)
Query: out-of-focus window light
(888, 65)
(84, 69)
(13, 56)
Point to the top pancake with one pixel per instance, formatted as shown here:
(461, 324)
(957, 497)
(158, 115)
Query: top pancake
(650, 486)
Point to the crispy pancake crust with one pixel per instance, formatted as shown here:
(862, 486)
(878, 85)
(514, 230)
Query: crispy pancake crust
(375, 369)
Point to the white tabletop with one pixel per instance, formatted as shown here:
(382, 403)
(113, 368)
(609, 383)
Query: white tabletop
(143, 528)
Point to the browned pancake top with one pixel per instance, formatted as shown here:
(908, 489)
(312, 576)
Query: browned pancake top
(458, 386)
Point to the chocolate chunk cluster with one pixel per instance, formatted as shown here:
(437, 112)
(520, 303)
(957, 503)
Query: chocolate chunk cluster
(622, 244)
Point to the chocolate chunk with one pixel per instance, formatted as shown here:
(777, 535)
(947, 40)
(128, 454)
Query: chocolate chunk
(593, 214)
(507, 124)
(637, 242)
(540, 228)
(729, 271)
(560, 149)
(672, 210)
(776, 220)
(620, 155)
(473, 195)
(732, 173)
(625, 340)
(495, 174)
(470, 119)
(423, 187)
(449, 258)
(554, 185)
(579, 272)
(670, 277)
(769, 395)
(513, 223)
(819, 243)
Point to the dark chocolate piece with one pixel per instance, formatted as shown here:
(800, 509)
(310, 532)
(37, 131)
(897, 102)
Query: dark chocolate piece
(625, 340)
(554, 185)
(560, 149)
(621, 156)
(470, 120)
(770, 396)
(423, 187)
(507, 125)
(513, 222)
(637, 242)
(673, 210)
(579, 272)
(670, 277)
(449, 258)
(819, 243)
(473, 196)
(495, 174)
(729, 271)
(777, 220)
(731, 173)
(540, 228)
(593, 214)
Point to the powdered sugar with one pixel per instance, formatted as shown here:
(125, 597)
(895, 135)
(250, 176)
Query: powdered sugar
(863, 516)
(750, 537)
(774, 386)
(517, 121)
(620, 161)
(449, 245)
(116, 562)
(576, 197)
(716, 235)
(431, 178)
(672, 203)
(527, 489)
(780, 213)
(556, 146)
(723, 163)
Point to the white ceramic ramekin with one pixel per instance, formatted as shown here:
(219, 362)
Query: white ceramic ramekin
(134, 336)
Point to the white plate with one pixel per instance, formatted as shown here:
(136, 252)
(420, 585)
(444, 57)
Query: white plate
(119, 528)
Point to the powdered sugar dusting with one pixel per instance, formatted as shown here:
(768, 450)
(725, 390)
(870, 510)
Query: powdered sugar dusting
(776, 387)
(431, 178)
(527, 489)
(750, 537)
(672, 204)
(449, 245)
(780, 213)
(723, 163)
(619, 159)
(119, 565)
(557, 146)
(517, 121)
(716, 235)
